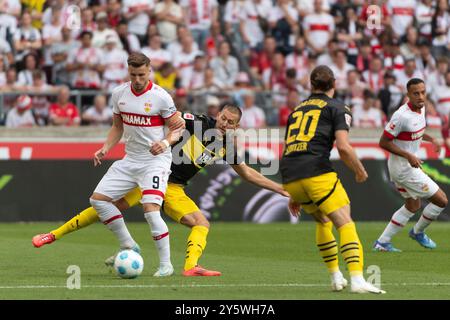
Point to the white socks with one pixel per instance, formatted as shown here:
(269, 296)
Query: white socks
(429, 214)
(160, 233)
(398, 221)
(113, 219)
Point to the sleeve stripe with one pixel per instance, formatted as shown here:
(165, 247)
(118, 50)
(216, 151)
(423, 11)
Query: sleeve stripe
(389, 135)
(170, 115)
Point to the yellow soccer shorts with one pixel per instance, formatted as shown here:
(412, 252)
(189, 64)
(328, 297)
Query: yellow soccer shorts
(323, 192)
(176, 203)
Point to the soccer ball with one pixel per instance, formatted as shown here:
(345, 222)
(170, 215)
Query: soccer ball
(128, 264)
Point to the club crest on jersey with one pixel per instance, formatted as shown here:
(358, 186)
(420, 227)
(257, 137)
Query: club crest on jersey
(392, 126)
(188, 116)
(147, 107)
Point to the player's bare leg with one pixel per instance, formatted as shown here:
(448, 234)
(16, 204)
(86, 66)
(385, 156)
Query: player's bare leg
(431, 212)
(351, 250)
(196, 244)
(328, 249)
(160, 234)
(397, 223)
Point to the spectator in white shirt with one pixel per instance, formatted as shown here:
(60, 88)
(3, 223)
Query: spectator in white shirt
(102, 32)
(99, 114)
(374, 76)
(410, 71)
(154, 51)
(137, 13)
(225, 66)
(86, 64)
(253, 18)
(185, 57)
(193, 77)
(402, 15)
(168, 16)
(318, 28)
(27, 38)
(437, 77)
(51, 33)
(425, 61)
(200, 15)
(369, 114)
(340, 68)
(354, 94)
(21, 115)
(424, 15)
(433, 118)
(252, 116)
(116, 66)
(25, 77)
(442, 96)
(306, 7)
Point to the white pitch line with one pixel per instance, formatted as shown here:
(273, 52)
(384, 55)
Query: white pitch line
(309, 285)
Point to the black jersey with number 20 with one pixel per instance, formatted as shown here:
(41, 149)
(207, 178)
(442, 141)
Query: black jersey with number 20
(310, 135)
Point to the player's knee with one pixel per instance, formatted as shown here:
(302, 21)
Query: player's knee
(121, 204)
(196, 219)
(99, 204)
(151, 207)
(443, 202)
(413, 206)
(202, 222)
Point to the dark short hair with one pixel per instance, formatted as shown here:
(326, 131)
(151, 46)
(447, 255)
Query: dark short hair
(291, 73)
(413, 82)
(232, 108)
(82, 34)
(322, 78)
(368, 94)
(137, 59)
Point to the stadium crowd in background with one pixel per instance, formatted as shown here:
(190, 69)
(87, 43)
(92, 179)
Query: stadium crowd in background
(256, 52)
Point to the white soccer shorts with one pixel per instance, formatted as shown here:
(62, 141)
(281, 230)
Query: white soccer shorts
(416, 184)
(125, 175)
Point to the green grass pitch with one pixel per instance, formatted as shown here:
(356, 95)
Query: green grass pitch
(271, 261)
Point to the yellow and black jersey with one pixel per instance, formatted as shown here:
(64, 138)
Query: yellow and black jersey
(199, 146)
(310, 137)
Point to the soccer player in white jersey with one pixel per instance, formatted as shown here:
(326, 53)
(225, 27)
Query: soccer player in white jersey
(141, 108)
(402, 138)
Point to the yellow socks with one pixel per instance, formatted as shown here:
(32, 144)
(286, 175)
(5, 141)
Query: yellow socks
(195, 246)
(81, 220)
(327, 245)
(351, 249)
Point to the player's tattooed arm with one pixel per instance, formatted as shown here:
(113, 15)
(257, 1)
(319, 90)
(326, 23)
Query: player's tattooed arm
(114, 136)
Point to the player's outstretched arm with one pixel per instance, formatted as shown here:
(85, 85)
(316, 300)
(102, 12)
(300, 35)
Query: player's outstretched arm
(114, 136)
(349, 157)
(387, 144)
(253, 176)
